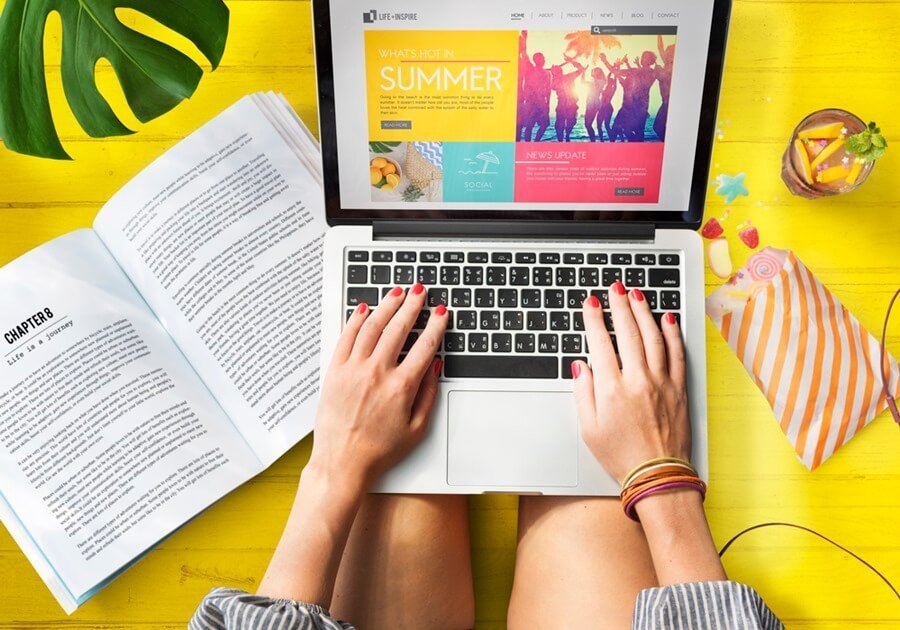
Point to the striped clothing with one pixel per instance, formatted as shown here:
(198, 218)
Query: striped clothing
(697, 606)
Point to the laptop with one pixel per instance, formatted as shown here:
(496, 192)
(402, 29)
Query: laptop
(516, 158)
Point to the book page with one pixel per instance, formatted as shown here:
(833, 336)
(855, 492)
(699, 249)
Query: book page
(223, 238)
(108, 438)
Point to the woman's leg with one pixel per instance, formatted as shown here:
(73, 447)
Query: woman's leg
(407, 565)
(580, 563)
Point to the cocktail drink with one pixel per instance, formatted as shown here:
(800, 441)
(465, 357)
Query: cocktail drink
(831, 152)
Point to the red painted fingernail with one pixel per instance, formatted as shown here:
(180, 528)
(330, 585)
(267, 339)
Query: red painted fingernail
(396, 291)
(670, 318)
(576, 370)
(417, 288)
(440, 310)
(362, 308)
(437, 367)
(637, 295)
(619, 288)
(593, 302)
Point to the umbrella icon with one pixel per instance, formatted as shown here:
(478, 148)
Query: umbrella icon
(488, 158)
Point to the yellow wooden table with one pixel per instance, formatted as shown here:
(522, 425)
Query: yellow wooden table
(785, 59)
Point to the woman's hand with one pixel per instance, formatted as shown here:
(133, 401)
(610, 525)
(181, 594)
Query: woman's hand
(373, 410)
(631, 414)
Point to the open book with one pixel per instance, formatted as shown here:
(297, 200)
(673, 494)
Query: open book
(152, 364)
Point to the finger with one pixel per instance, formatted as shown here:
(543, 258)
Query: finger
(631, 348)
(585, 402)
(421, 355)
(674, 350)
(395, 332)
(351, 330)
(654, 346)
(425, 397)
(371, 330)
(602, 352)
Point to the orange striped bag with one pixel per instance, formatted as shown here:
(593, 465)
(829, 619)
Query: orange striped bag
(817, 366)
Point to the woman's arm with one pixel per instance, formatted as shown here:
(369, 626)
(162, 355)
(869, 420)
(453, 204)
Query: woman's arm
(371, 413)
(639, 412)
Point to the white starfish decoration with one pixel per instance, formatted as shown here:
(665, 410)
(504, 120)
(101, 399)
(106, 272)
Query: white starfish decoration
(845, 160)
(844, 131)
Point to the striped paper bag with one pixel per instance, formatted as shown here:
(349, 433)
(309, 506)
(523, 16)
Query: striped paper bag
(814, 362)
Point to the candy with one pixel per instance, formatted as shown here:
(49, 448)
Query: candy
(712, 229)
(763, 266)
(750, 237)
(719, 258)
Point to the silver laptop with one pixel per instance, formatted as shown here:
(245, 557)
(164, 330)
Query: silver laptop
(516, 158)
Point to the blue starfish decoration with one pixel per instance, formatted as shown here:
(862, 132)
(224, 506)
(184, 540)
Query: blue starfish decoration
(732, 187)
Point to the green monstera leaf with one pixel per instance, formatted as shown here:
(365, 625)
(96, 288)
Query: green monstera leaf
(154, 76)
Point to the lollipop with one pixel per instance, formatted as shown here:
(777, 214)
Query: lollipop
(763, 266)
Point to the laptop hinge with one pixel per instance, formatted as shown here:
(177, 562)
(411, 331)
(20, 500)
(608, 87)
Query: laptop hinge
(518, 230)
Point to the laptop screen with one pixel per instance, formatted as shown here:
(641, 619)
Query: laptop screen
(527, 108)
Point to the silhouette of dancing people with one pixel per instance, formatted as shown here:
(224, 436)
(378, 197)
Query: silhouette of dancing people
(636, 83)
(566, 98)
(596, 86)
(664, 75)
(534, 100)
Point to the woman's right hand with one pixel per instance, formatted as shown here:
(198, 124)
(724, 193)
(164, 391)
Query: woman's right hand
(631, 414)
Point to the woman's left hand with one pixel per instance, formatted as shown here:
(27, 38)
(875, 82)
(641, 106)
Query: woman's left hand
(373, 410)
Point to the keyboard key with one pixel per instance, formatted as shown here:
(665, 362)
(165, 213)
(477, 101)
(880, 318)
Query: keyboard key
(507, 298)
(463, 366)
(496, 276)
(597, 259)
(575, 298)
(554, 298)
(421, 319)
(645, 259)
(525, 258)
(382, 256)
(385, 290)
(358, 295)
(381, 274)
(484, 298)
(473, 275)
(669, 260)
(603, 296)
(548, 343)
(357, 274)
(571, 344)
(438, 296)
(450, 275)
(589, 277)
(430, 257)
(621, 259)
(490, 320)
(611, 275)
(519, 276)
(549, 259)
(349, 313)
(358, 256)
(664, 278)
(669, 301)
(565, 276)
(461, 298)
(525, 342)
(577, 320)
(477, 257)
(530, 298)
(466, 320)
(567, 365)
(454, 342)
(410, 340)
(608, 322)
(573, 259)
(501, 342)
(478, 342)
(658, 317)
(650, 296)
(406, 257)
(537, 320)
(403, 274)
(559, 320)
(501, 257)
(427, 275)
(542, 276)
(635, 277)
(513, 320)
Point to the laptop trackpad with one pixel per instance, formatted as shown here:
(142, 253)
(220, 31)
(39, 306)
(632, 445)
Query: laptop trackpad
(512, 439)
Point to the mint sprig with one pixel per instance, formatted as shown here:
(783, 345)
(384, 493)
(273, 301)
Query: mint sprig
(868, 145)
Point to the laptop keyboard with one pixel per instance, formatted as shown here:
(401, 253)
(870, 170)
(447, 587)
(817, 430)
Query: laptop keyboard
(513, 313)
